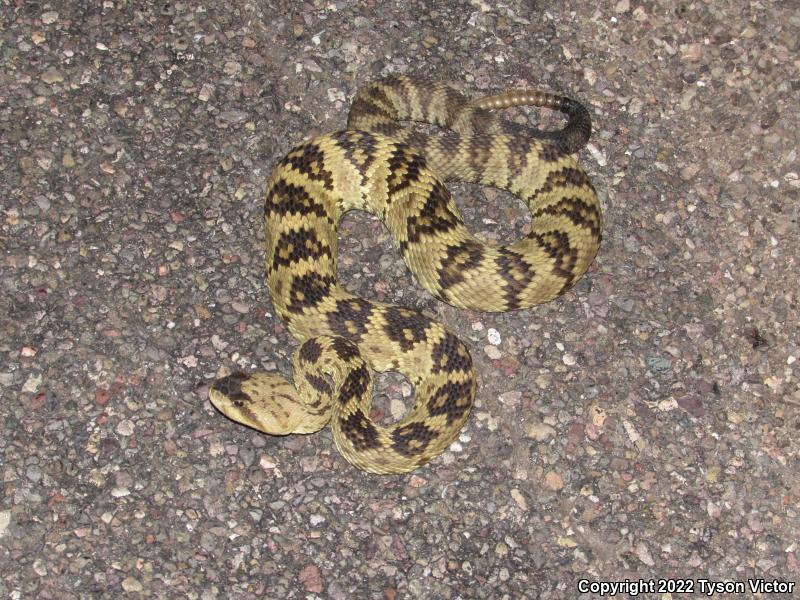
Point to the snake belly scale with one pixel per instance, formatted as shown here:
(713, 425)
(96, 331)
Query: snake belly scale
(398, 173)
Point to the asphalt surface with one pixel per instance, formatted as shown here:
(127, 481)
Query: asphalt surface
(643, 426)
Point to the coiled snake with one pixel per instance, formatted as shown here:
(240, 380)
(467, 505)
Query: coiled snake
(397, 173)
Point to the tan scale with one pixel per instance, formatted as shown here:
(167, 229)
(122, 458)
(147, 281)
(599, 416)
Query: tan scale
(381, 166)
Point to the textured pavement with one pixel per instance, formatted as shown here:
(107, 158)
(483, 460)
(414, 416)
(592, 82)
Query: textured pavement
(644, 425)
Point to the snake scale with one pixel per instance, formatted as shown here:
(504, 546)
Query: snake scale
(398, 173)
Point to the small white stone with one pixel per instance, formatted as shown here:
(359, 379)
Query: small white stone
(205, 92)
(644, 555)
(492, 352)
(231, 68)
(120, 492)
(598, 415)
(39, 567)
(493, 336)
(188, 361)
(32, 383)
(539, 431)
(49, 17)
(131, 584)
(598, 156)
(335, 94)
(125, 427)
(519, 499)
(511, 398)
(492, 423)
(456, 447)
(5, 519)
(633, 435)
(397, 408)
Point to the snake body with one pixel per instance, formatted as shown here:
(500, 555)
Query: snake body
(398, 174)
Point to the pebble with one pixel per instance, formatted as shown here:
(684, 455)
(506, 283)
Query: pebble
(543, 381)
(492, 352)
(205, 92)
(51, 76)
(311, 579)
(240, 307)
(125, 427)
(132, 585)
(5, 519)
(539, 431)
(511, 399)
(519, 499)
(397, 408)
(33, 473)
(231, 68)
(553, 481)
(657, 364)
(643, 553)
(32, 384)
(40, 568)
(598, 415)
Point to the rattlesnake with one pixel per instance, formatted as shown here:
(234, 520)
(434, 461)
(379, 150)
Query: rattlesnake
(397, 173)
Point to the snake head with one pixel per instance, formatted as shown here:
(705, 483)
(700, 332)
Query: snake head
(263, 401)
